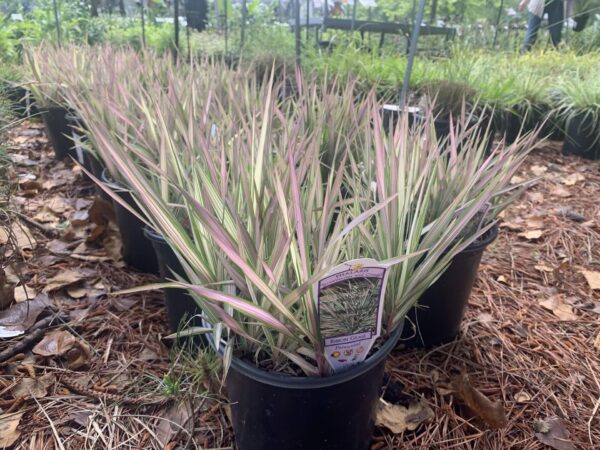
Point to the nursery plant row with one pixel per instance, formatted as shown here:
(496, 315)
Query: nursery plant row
(298, 229)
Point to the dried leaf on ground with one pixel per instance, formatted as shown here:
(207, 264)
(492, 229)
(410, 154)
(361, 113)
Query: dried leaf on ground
(522, 397)
(56, 343)
(8, 429)
(33, 387)
(573, 178)
(559, 308)
(22, 237)
(64, 279)
(560, 191)
(492, 413)
(172, 421)
(593, 278)
(7, 291)
(532, 234)
(553, 432)
(398, 419)
(24, 293)
(21, 316)
(538, 171)
(597, 342)
(101, 212)
(77, 291)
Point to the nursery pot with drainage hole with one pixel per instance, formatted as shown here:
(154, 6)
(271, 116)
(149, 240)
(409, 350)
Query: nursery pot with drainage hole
(582, 136)
(136, 249)
(437, 317)
(273, 411)
(59, 131)
(181, 307)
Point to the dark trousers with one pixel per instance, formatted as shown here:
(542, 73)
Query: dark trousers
(555, 11)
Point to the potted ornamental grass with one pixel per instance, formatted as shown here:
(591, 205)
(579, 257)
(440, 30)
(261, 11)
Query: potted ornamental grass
(46, 89)
(464, 190)
(579, 106)
(260, 230)
(466, 175)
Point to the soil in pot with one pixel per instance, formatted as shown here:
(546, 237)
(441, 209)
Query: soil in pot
(136, 251)
(181, 307)
(271, 411)
(442, 307)
(59, 131)
(582, 137)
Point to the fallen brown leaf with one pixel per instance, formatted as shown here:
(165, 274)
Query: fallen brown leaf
(33, 387)
(597, 342)
(64, 279)
(492, 413)
(560, 191)
(172, 421)
(7, 291)
(522, 397)
(559, 308)
(8, 429)
(553, 432)
(593, 278)
(56, 343)
(101, 212)
(18, 318)
(398, 419)
(532, 234)
(573, 178)
(24, 293)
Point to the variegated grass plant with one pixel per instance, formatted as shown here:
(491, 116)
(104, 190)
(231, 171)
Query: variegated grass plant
(256, 208)
(439, 200)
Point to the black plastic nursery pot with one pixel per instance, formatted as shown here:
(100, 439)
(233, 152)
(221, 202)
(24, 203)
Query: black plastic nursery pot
(59, 131)
(136, 251)
(271, 411)
(181, 307)
(520, 121)
(582, 137)
(391, 114)
(81, 154)
(442, 129)
(440, 310)
(22, 103)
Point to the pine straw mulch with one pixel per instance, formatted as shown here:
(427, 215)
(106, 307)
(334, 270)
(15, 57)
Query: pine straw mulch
(530, 339)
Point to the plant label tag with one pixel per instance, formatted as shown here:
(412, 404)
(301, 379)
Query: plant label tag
(350, 307)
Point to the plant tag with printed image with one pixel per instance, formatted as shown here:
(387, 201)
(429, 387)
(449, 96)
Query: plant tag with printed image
(350, 307)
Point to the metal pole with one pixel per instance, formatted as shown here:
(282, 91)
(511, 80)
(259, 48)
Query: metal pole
(226, 27)
(307, 20)
(498, 23)
(176, 17)
(297, 29)
(143, 24)
(243, 24)
(353, 14)
(411, 52)
(57, 22)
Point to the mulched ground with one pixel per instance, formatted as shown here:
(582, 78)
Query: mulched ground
(98, 375)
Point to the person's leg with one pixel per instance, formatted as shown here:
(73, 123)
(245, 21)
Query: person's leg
(556, 17)
(533, 26)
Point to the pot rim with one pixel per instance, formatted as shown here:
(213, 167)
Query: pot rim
(291, 382)
(489, 237)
